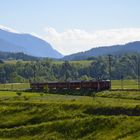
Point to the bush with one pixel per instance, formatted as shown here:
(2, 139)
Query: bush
(46, 89)
(19, 93)
(26, 98)
(41, 94)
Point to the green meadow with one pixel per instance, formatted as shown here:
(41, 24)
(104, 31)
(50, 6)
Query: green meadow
(108, 115)
(125, 84)
(15, 86)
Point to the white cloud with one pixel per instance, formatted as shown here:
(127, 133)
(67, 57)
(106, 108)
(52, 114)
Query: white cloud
(76, 40)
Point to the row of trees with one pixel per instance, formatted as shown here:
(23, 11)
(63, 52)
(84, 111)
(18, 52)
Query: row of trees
(47, 70)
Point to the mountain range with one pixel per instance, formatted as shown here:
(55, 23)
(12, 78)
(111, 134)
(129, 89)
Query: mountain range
(106, 50)
(26, 43)
(31, 45)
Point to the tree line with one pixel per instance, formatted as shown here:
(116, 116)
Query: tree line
(124, 66)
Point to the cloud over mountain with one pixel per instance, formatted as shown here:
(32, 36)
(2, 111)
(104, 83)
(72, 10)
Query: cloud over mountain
(77, 40)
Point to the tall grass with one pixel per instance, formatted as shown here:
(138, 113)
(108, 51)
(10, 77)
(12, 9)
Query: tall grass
(65, 117)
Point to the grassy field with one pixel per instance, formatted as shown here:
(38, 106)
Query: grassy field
(82, 62)
(15, 61)
(125, 84)
(15, 86)
(108, 115)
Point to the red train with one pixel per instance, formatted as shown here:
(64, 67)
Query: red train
(90, 85)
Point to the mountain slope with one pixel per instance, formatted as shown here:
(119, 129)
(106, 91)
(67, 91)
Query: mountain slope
(115, 49)
(29, 44)
(9, 47)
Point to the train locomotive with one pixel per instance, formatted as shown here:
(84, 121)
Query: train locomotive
(74, 85)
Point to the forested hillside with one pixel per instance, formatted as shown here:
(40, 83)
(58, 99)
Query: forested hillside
(105, 50)
(125, 66)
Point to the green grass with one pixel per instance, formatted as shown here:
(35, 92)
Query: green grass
(15, 61)
(106, 116)
(127, 84)
(83, 62)
(15, 86)
(135, 95)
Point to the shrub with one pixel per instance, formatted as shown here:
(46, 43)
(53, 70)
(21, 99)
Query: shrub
(26, 98)
(41, 94)
(19, 93)
(46, 89)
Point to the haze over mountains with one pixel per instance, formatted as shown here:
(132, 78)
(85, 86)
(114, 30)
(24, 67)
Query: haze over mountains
(26, 43)
(15, 42)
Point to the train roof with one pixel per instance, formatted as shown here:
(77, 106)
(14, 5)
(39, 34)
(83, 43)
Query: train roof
(76, 81)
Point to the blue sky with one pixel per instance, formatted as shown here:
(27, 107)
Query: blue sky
(54, 20)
